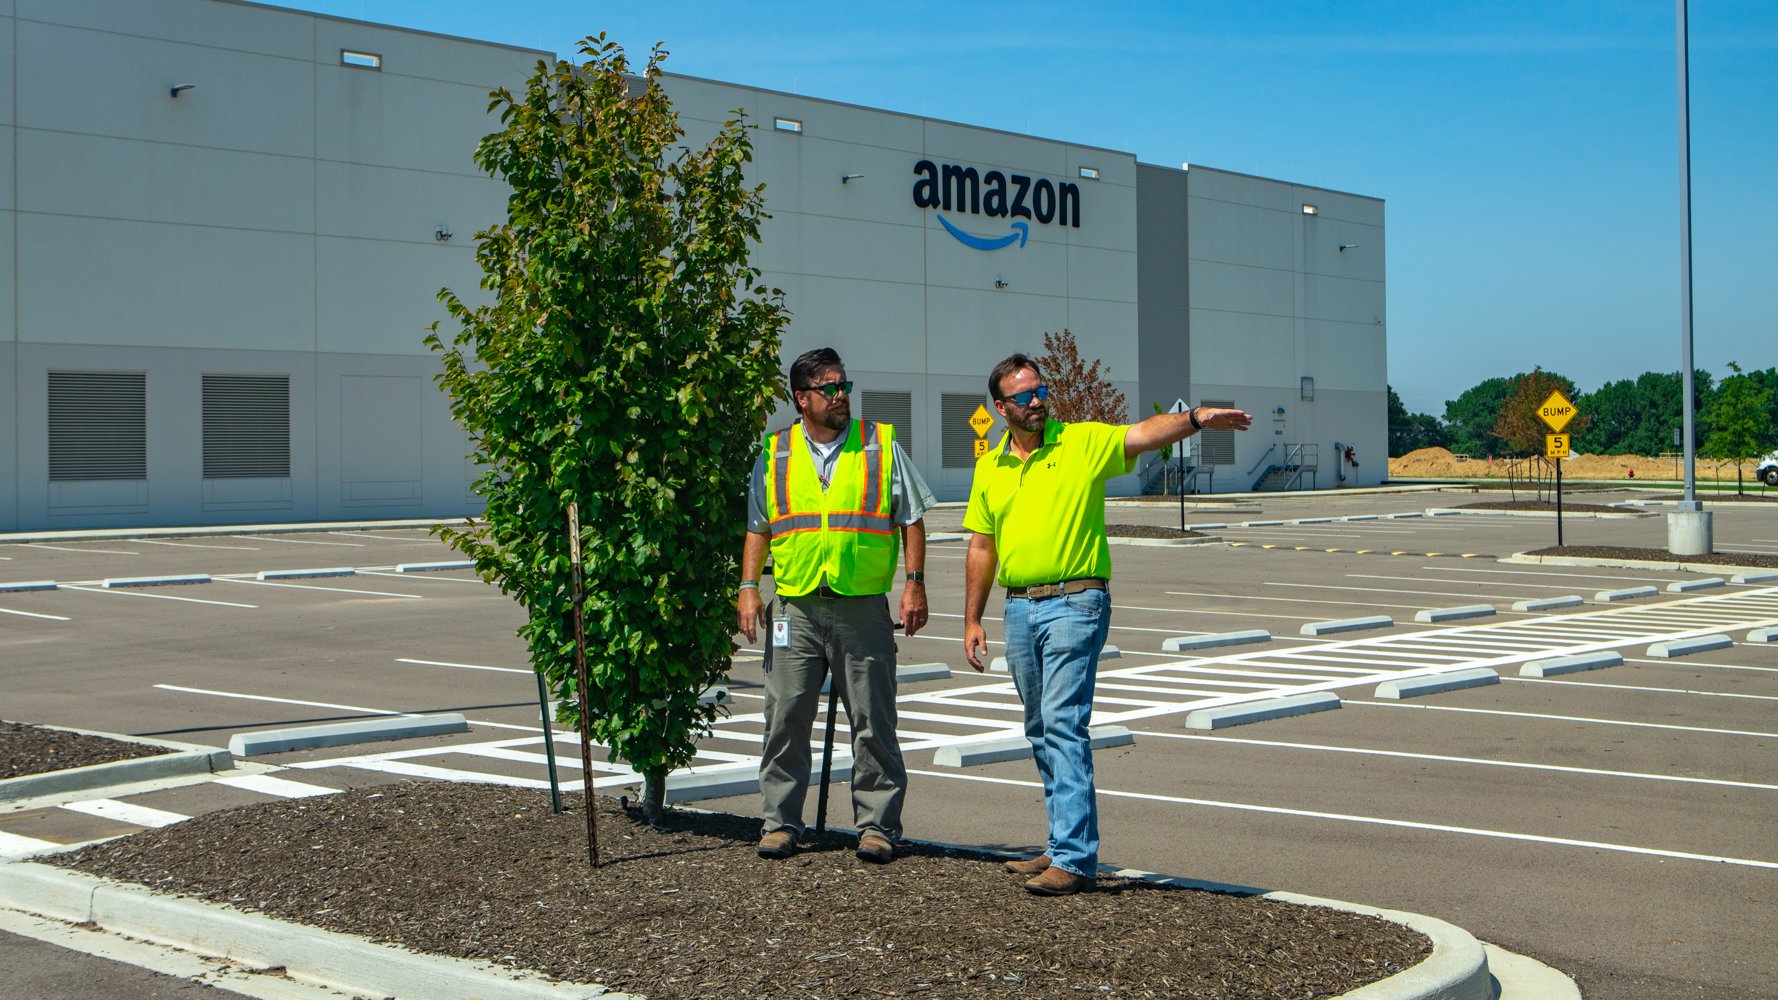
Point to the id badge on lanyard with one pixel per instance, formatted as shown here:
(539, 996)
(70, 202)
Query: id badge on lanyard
(781, 633)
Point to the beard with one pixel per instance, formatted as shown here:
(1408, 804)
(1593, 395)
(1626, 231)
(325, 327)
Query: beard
(838, 416)
(1029, 420)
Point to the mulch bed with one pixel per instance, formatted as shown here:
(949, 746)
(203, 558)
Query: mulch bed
(26, 749)
(1547, 505)
(1762, 559)
(486, 872)
(1149, 531)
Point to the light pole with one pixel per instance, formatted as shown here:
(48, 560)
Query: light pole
(1688, 527)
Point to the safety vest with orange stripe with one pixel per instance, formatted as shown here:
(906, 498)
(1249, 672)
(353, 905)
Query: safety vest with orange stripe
(843, 533)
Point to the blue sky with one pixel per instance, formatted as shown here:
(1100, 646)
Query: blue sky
(1527, 151)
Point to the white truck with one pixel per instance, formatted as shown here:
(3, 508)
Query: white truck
(1768, 469)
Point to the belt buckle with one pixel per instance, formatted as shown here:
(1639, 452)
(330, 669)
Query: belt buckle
(1043, 591)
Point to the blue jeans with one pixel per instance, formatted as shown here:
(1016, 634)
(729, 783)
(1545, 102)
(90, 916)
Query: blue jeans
(1052, 648)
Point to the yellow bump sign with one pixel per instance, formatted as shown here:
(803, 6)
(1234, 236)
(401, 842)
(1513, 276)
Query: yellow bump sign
(1556, 445)
(980, 421)
(1556, 411)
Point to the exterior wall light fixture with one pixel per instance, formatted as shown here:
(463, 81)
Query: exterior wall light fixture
(846, 178)
(1310, 210)
(1090, 173)
(362, 60)
(787, 125)
(443, 233)
(178, 87)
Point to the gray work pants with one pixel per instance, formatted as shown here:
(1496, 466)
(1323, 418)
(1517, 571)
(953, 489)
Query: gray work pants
(856, 636)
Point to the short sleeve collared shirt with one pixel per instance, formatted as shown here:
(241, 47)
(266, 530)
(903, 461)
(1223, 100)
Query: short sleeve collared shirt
(1047, 513)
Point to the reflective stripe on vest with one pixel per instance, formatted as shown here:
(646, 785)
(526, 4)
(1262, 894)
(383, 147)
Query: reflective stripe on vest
(815, 536)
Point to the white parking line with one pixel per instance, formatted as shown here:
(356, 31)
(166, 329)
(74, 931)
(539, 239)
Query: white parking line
(1376, 821)
(1532, 572)
(33, 614)
(310, 586)
(1423, 579)
(63, 548)
(1379, 590)
(12, 843)
(283, 788)
(296, 541)
(385, 538)
(1282, 600)
(158, 597)
(1687, 663)
(194, 545)
(1639, 687)
(323, 704)
(125, 812)
(1564, 718)
(1479, 761)
(427, 578)
(465, 666)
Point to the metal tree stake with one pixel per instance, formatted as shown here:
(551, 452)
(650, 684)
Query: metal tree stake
(586, 738)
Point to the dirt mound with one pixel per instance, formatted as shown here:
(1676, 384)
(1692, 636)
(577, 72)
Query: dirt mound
(1440, 463)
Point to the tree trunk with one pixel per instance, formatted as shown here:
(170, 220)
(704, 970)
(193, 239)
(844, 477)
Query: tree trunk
(654, 796)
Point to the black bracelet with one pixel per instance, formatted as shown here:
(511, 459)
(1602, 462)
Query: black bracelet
(1193, 414)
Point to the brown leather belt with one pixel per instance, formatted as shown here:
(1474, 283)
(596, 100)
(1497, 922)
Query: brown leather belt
(1040, 591)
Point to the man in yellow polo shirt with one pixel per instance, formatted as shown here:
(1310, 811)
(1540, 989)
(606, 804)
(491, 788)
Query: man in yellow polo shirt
(1037, 512)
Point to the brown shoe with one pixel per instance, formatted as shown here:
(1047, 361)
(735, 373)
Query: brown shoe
(1035, 866)
(777, 844)
(1059, 882)
(875, 849)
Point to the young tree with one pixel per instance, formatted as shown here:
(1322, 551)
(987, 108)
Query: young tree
(1078, 390)
(1740, 428)
(627, 363)
(1519, 425)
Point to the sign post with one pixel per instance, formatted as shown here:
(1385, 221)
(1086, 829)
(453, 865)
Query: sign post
(1556, 411)
(1179, 407)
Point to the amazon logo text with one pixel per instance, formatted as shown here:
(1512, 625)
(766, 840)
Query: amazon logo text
(953, 188)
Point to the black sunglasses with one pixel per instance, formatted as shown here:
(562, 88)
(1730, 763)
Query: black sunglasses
(1025, 398)
(831, 389)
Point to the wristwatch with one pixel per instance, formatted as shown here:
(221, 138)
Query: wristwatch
(1193, 415)
(916, 576)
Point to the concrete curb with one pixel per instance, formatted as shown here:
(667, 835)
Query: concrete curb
(186, 759)
(1550, 603)
(1414, 687)
(1684, 586)
(1685, 647)
(1170, 542)
(1457, 969)
(1625, 594)
(1556, 666)
(1181, 643)
(1001, 749)
(304, 574)
(338, 734)
(1347, 625)
(434, 567)
(14, 588)
(1626, 515)
(1763, 635)
(342, 961)
(1434, 615)
(1757, 573)
(116, 583)
(1225, 716)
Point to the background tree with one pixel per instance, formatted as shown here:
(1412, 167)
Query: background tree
(627, 362)
(1636, 416)
(1470, 418)
(1412, 431)
(1078, 390)
(1739, 420)
(1518, 426)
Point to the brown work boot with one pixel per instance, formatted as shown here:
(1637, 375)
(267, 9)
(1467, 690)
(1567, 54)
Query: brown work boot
(777, 844)
(1035, 866)
(1059, 882)
(875, 849)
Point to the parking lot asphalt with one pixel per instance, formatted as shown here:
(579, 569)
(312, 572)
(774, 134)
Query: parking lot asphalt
(1617, 823)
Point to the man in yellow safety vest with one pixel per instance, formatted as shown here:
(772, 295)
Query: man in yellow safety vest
(833, 498)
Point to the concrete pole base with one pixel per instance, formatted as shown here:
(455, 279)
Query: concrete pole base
(1688, 533)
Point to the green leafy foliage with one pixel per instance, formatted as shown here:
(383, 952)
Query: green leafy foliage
(1470, 418)
(1739, 420)
(1412, 431)
(627, 362)
(1637, 416)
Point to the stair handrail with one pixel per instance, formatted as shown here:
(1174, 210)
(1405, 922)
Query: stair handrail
(1262, 459)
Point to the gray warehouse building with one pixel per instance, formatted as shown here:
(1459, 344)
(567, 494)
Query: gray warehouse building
(223, 228)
